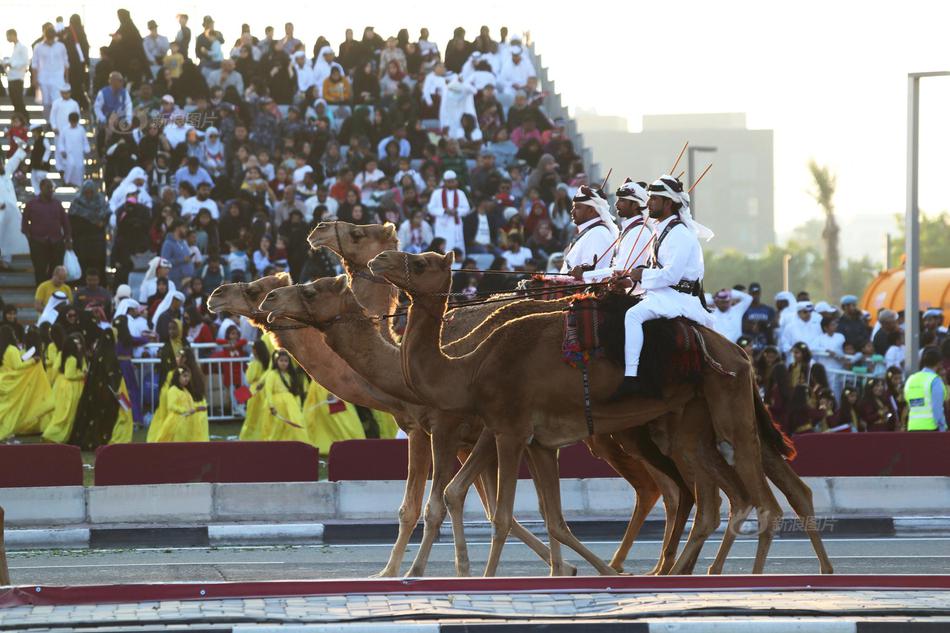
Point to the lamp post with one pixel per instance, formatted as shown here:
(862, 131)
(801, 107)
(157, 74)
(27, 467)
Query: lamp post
(912, 223)
(691, 170)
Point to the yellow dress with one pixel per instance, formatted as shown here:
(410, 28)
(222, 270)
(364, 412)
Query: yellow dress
(255, 409)
(25, 395)
(277, 395)
(155, 428)
(53, 358)
(122, 431)
(330, 419)
(387, 425)
(195, 429)
(67, 391)
(177, 417)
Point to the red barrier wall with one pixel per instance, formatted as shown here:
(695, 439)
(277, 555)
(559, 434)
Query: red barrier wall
(214, 462)
(27, 465)
(872, 454)
(374, 460)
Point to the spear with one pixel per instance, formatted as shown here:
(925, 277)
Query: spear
(678, 158)
(606, 178)
(705, 171)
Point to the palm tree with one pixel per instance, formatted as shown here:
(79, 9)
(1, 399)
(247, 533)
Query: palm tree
(825, 183)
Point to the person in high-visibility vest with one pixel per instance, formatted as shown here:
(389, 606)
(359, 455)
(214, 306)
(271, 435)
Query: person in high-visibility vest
(924, 391)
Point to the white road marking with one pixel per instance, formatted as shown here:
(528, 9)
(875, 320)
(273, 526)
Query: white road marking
(229, 562)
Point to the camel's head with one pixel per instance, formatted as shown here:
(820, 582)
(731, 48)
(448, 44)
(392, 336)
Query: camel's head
(316, 303)
(355, 244)
(244, 298)
(428, 273)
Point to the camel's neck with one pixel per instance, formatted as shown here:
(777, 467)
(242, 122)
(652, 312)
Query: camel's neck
(361, 345)
(437, 379)
(375, 294)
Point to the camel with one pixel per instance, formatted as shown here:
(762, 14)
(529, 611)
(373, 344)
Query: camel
(330, 305)
(308, 347)
(635, 460)
(650, 473)
(550, 413)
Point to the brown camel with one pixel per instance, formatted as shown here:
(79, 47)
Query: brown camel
(649, 472)
(309, 348)
(551, 412)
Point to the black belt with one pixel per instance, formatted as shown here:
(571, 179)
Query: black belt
(687, 287)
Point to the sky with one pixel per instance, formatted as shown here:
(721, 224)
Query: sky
(830, 78)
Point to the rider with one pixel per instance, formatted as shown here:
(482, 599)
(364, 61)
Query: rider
(635, 233)
(596, 232)
(673, 282)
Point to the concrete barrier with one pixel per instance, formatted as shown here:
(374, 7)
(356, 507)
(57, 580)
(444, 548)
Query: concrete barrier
(378, 501)
(44, 506)
(159, 503)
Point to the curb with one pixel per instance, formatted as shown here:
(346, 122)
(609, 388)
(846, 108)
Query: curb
(342, 533)
(734, 625)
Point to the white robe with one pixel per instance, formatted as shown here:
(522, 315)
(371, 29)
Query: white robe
(458, 99)
(446, 226)
(12, 241)
(71, 154)
(632, 251)
(59, 115)
(729, 323)
(593, 247)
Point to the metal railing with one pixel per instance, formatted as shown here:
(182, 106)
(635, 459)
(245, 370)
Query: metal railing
(838, 379)
(221, 376)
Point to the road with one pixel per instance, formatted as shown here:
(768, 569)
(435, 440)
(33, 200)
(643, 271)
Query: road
(894, 555)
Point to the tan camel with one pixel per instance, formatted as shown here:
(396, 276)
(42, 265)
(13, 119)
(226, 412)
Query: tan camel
(550, 412)
(4, 569)
(650, 473)
(309, 348)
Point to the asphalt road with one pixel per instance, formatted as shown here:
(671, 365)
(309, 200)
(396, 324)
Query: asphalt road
(892, 555)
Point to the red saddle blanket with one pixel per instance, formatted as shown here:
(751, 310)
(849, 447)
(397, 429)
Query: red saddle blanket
(594, 327)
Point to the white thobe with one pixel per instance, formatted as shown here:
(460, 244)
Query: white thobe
(191, 206)
(729, 322)
(513, 74)
(433, 85)
(679, 257)
(631, 251)
(592, 245)
(150, 287)
(306, 78)
(50, 63)
(798, 331)
(71, 154)
(12, 241)
(446, 226)
(59, 114)
(19, 62)
(177, 134)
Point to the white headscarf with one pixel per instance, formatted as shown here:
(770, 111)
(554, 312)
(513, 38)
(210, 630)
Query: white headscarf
(634, 191)
(148, 287)
(166, 304)
(596, 198)
(124, 291)
(125, 305)
(49, 313)
(321, 67)
(128, 186)
(669, 187)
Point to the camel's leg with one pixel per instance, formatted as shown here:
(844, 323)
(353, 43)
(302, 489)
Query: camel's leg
(444, 442)
(420, 457)
(800, 498)
(479, 459)
(633, 470)
(545, 464)
(704, 523)
(488, 481)
(731, 404)
(4, 569)
(675, 528)
(510, 449)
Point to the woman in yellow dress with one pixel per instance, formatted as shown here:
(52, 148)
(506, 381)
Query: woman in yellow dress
(24, 389)
(67, 390)
(330, 419)
(196, 428)
(34, 423)
(255, 409)
(171, 357)
(181, 406)
(283, 393)
(55, 338)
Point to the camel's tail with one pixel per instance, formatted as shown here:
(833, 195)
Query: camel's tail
(769, 431)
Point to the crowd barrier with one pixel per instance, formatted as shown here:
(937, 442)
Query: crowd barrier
(211, 462)
(872, 454)
(382, 460)
(35, 465)
(221, 376)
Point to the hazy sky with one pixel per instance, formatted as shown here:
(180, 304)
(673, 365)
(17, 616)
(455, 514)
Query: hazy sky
(828, 77)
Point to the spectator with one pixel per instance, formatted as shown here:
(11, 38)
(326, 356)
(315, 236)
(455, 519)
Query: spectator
(93, 297)
(894, 357)
(55, 283)
(516, 255)
(449, 205)
(50, 67)
(193, 173)
(829, 345)
(127, 50)
(757, 323)
(89, 214)
(156, 47)
(801, 329)
(16, 66)
(201, 200)
(874, 409)
(175, 251)
(888, 324)
(731, 306)
(262, 256)
(47, 229)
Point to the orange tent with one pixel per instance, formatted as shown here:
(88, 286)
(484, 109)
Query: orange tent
(887, 291)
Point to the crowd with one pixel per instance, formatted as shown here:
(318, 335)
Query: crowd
(823, 367)
(216, 159)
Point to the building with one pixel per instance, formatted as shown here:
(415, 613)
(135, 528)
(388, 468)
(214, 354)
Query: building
(735, 199)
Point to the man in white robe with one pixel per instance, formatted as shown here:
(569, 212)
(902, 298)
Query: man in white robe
(458, 99)
(674, 283)
(730, 308)
(448, 205)
(12, 240)
(636, 234)
(59, 111)
(71, 151)
(50, 68)
(592, 247)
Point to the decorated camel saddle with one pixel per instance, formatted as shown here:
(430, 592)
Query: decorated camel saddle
(673, 349)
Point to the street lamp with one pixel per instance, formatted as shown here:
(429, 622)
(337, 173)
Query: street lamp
(912, 223)
(691, 171)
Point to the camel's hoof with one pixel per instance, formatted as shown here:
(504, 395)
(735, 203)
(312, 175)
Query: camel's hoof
(385, 573)
(714, 571)
(617, 567)
(571, 570)
(414, 573)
